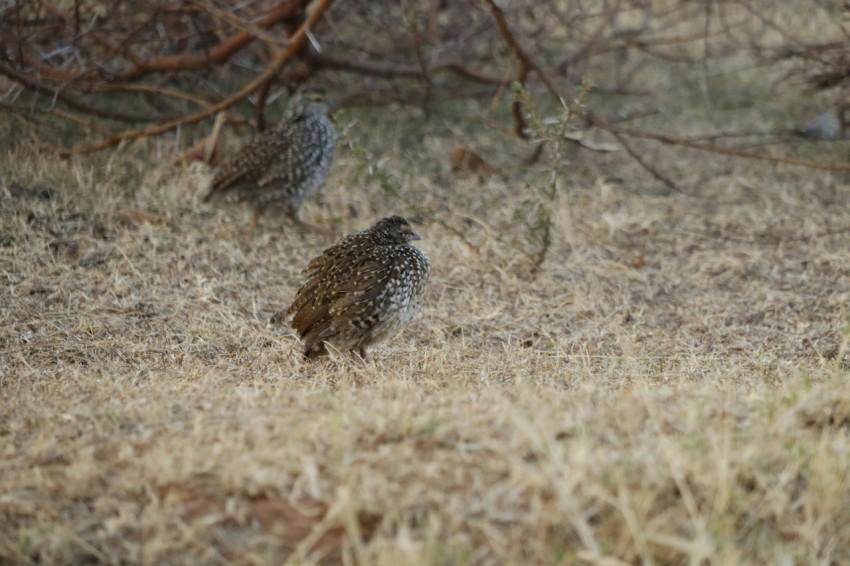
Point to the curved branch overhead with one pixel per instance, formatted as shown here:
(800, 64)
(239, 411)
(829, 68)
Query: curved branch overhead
(281, 58)
(147, 67)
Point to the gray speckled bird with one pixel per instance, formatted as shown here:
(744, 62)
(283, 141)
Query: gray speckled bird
(362, 290)
(283, 166)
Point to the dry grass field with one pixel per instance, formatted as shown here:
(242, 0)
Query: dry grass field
(670, 388)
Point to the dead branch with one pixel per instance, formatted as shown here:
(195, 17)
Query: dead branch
(527, 61)
(71, 101)
(710, 148)
(527, 64)
(520, 127)
(281, 58)
(390, 70)
(643, 162)
(192, 59)
(255, 31)
(175, 63)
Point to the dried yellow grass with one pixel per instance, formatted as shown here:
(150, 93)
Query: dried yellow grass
(671, 388)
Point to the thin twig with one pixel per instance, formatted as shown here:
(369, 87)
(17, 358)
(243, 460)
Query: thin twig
(389, 70)
(71, 101)
(420, 57)
(519, 51)
(228, 16)
(643, 163)
(731, 151)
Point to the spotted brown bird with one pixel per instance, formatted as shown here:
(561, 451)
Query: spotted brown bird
(362, 290)
(283, 166)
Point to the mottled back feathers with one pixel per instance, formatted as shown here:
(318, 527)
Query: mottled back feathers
(283, 165)
(362, 290)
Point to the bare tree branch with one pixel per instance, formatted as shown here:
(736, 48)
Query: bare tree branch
(710, 148)
(282, 57)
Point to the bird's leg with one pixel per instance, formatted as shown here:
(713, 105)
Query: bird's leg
(315, 351)
(359, 353)
(326, 230)
(248, 232)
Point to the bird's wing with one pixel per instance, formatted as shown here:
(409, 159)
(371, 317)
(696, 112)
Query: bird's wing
(243, 169)
(333, 279)
(251, 163)
(292, 166)
(321, 269)
(364, 286)
(344, 301)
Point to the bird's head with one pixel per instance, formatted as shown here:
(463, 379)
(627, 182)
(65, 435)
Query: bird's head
(394, 230)
(309, 102)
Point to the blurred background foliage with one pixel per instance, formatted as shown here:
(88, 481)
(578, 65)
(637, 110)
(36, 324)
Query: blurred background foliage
(84, 75)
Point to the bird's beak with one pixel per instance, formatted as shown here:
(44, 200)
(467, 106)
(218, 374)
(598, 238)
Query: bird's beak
(416, 236)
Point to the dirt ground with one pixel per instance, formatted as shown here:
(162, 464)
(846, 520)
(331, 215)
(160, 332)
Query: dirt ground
(670, 387)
